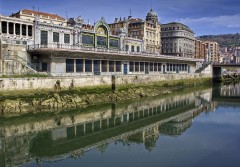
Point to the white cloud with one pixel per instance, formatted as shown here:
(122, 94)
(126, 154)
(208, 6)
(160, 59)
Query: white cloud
(230, 21)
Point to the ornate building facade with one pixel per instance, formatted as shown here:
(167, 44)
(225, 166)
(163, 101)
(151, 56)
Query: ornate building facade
(48, 43)
(178, 40)
(147, 30)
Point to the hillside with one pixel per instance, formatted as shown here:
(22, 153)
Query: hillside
(223, 39)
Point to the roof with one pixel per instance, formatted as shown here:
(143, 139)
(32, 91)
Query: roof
(46, 15)
(151, 13)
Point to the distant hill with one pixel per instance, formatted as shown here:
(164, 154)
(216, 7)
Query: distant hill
(223, 39)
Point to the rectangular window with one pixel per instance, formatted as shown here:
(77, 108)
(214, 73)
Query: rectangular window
(88, 65)
(138, 49)
(30, 30)
(151, 66)
(118, 66)
(44, 37)
(155, 66)
(17, 29)
(132, 48)
(111, 66)
(127, 47)
(174, 67)
(10, 28)
(69, 65)
(67, 38)
(55, 37)
(131, 67)
(79, 65)
(136, 66)
(87, 39)
(114, 43)
(159, 67)
(24, 30)
(167, 66)
(183, 67)
(101, 41)
(104, 66)
(141, 66)
(170, 68)
(4, 27)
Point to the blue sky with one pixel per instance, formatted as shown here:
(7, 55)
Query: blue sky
(202, 16)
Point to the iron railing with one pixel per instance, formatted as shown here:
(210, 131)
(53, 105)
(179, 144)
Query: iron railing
(105, 50)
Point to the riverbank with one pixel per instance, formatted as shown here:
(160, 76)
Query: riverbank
(56, 100)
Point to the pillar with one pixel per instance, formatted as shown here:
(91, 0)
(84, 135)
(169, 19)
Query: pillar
(26, 30)
(0, 27)
(7, 28)
(20, 30)
(14, 28)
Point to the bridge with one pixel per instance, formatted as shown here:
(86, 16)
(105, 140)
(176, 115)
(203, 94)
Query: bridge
(217, 69)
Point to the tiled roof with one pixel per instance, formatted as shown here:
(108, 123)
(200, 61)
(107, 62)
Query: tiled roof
(46, 15)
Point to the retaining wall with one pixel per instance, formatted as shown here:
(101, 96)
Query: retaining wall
(66, 82)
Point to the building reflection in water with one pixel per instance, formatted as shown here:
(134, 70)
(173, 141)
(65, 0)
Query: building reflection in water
(71, 134)
(230, 89)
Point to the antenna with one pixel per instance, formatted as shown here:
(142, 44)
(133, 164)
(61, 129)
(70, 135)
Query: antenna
(33, 7)
(130, 12)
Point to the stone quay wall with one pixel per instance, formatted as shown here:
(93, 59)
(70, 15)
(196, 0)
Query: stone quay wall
(84, 81)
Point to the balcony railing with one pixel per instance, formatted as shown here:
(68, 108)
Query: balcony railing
(66, 47)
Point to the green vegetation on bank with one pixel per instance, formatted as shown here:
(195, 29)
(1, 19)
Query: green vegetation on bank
(25, 76)
(24, 102)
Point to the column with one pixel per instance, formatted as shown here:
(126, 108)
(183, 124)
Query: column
(14, 28)
(74, 66)
(7, 28)
(0, 27)
(20, 30)
(26, 30)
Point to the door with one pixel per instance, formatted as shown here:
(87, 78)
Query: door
(188, 69)
(146, 68)
(125, 69)
(96, 67)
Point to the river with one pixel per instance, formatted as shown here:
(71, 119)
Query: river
(199, 128)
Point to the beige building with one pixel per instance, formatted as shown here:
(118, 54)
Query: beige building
(212, 51)
(31, 15)
(178, 40)
(147, 30)
(200, 50)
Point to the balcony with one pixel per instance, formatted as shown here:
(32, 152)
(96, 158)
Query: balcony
(105, 51)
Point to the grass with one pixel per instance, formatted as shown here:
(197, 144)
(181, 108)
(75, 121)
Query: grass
(25, 76)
